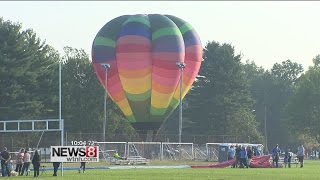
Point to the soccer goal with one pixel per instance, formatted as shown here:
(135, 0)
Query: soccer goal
(107, 149)
(149, 150)
(212, 151)
(177, 151)
(200, 152)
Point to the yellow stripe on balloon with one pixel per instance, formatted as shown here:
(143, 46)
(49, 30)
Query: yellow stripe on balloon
(185, 90)
(125, 108)
(137, 85)
(160, 100)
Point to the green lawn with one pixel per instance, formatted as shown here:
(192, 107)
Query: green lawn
(310, 171)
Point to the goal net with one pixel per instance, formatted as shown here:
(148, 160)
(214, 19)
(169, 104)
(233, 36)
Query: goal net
(149, 150)
(177, 151)
(107, 149)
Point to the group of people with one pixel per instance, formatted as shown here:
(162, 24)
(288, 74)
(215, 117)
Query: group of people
(23, 162)
(243, 155)
(276, 152)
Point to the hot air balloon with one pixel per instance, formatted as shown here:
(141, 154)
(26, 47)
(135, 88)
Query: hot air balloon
(142, 53)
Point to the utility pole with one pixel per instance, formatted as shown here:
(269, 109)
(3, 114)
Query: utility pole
(265, 126)
(106, 68)
(181, 66)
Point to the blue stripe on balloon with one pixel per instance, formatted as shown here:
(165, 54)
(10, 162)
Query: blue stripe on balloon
(191, 38)
(135, 29)
(103, 53)
(168, 44)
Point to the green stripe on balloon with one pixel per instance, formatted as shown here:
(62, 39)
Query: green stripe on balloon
(139, 97)
(131, 119)
(140, 19)
(102, 41)
(166, 32)
(157, 111)
(185, 28)
(174, 103)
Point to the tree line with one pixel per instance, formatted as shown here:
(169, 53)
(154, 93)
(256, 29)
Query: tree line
(229, 97)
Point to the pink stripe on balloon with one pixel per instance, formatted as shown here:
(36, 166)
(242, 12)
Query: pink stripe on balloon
(165, 81)
(133, 64)
(133, 39)
(164, 72)
(168, 56)
(194, 49)
(191, 67)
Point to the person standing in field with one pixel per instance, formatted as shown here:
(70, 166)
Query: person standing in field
(26, 163)
(20, 156)
(232, 154)
(259, 150)
(243, 157)
(275, 155)
(5, 160)
(238, 149)
(300, 154)
(286, 157)
(55, 168)
(249, 154)
(36, 164)
(82, 166)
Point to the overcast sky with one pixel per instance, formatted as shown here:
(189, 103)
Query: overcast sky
(265, 32)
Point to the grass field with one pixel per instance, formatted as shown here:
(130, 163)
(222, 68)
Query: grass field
(310, 171)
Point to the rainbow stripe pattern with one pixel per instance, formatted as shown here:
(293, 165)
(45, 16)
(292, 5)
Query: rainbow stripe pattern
(142, 51)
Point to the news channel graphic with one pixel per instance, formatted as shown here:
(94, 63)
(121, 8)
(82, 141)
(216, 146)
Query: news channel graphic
(74, 154)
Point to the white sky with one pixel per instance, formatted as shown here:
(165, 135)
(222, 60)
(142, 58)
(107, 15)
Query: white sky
(265, 32)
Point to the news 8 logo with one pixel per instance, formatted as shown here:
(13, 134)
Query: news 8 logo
(74, 154)
(91, 151)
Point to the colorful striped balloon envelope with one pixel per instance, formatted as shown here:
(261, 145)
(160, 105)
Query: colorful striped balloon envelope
(142, 52)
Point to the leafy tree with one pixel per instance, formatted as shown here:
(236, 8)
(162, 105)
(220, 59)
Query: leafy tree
(25, 69)
(285, 76)
(304, 106)
(271, 91)
(220, 98)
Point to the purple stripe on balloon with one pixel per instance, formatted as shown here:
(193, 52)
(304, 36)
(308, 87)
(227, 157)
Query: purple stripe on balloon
(168, 44)
(103, 53)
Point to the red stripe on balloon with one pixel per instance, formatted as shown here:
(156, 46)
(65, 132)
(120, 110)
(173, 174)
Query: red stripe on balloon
(193, 53)
(167, 73)
(165, 81)
(167, 56)
(127, 64)
(165, 64)
(133, 48)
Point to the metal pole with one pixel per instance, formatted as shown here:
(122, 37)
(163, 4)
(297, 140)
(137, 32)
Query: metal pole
(181, 66)
(180, 113)
(105, 107)
(106, 68)
(265, 127)
(60, 120)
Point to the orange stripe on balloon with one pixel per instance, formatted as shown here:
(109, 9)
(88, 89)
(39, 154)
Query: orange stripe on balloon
(156, 79)
(162, 88)
(135, 73)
